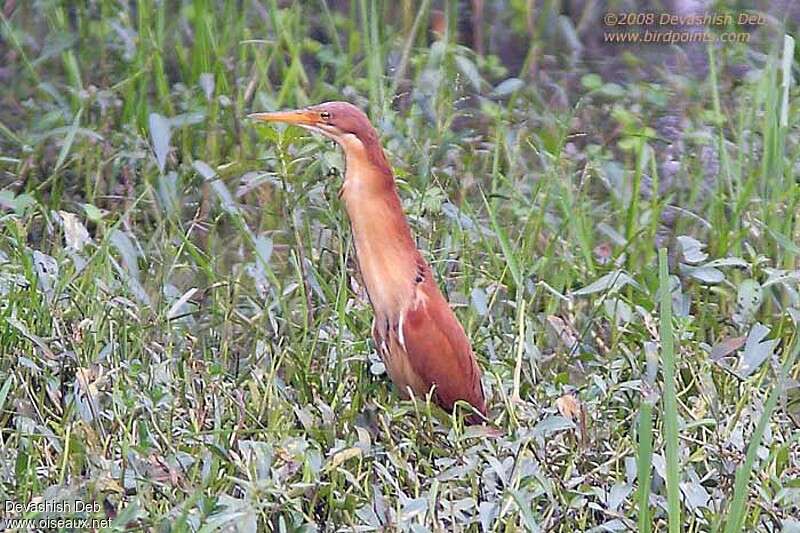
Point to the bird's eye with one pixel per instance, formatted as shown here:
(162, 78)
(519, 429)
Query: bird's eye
(325, 115)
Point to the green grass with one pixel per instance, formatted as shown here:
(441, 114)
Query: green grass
(183, 341)
(670, 403)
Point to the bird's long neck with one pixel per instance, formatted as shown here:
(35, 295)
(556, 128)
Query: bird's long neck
(386, 252)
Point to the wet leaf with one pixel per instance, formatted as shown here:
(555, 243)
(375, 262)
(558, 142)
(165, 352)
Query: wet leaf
(487, 514)
(46, 272)
(479, 301)
(612, 526)
(470, 71)
(124, 245)
(263, 245)
(168, 193)
(232, 514)
(691, 250)
(258, 454)
(179, 307)
(748, 301)
(611, 282)
(728, 262)
(695, 495)
(413, 507)
(591, 81)
(92, 212)
(507, 87)
(552, 424)
(618, 310)
(617, 494)
(707, 275)
(19, 203)
(524, 506)
(756, 351)
(206, 82)
(613, 91)
(187, 119)
(790, 525)
(366, 514)
(160, 133)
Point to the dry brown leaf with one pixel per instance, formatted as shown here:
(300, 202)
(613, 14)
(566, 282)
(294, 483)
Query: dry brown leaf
(566, 333)
(726, 347)
(342, 456)
(569, 406)
(75, 233)
(160, 470)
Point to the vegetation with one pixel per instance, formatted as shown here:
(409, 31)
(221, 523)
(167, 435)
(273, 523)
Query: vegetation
(183, 339)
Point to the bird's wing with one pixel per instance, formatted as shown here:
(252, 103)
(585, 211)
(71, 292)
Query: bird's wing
(438, 349)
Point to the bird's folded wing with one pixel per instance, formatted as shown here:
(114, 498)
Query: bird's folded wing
(439, 351)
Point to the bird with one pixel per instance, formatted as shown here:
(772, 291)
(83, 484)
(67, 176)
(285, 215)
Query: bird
(422, 344)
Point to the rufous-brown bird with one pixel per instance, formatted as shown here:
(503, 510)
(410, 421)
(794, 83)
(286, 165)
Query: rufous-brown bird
(422, 344)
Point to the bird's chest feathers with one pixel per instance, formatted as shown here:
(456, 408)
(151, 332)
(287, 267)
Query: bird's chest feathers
(386, 263)
(384, 248)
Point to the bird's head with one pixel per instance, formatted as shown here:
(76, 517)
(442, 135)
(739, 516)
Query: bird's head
(342, 122)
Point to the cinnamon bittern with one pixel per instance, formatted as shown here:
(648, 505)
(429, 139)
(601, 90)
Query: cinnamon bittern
(422, 344)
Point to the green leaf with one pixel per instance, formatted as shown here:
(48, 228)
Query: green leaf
(470, 71)
(756, 350)
(93, 213)
(68, 140)
(611, 282)
(160, 133)
(591, 82)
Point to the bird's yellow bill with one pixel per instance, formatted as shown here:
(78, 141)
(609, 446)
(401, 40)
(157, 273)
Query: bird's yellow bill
(299, 117)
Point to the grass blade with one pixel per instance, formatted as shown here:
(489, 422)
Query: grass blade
(68, 140)
(644, 462)
(4, 391)
(670, 403)
(738, 506)
(505, 245)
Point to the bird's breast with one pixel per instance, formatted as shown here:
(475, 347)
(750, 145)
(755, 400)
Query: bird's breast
(385, 252)
(387, 274)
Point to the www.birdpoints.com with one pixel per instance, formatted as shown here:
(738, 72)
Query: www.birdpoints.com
(678, 29)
